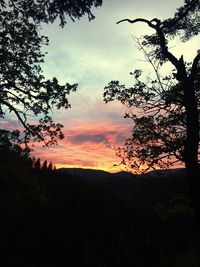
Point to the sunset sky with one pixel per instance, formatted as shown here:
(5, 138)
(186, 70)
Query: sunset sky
(92, 54)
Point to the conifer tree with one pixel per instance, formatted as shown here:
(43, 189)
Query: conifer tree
(37, 166)
(44, 165)
(50, 167)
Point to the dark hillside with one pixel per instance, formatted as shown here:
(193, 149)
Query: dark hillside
(140, 192)
(94, 218)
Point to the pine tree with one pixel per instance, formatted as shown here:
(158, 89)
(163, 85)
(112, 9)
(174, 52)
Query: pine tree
(37, 165)
(44, 165)
(50, 167)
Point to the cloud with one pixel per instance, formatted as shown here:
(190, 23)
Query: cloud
(108, 138)
(10, 124)
(87, 145)
(92, 138)
(92, 129)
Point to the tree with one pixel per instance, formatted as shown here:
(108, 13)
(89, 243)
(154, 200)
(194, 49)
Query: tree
(9, 140)
(20, 189)
(44, 165)
(169, 126)
(48, 11)
(23, 201)
(24, 90)
(50, 167)
(37, 165)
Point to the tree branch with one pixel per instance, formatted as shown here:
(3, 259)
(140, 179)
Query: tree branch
(28, 93)
(135, 20)
(151, 62)
(20, 119)
(155, 24)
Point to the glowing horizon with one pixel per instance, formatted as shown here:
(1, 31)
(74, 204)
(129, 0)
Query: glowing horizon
(89, 144)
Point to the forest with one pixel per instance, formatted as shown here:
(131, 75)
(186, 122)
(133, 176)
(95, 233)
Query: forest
(148, 215)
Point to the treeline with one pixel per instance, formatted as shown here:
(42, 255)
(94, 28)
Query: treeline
(45, 166)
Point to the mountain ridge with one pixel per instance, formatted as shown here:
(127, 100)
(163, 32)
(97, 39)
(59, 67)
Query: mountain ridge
(140, 192)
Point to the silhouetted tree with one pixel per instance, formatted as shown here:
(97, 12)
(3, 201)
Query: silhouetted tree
(50, 167)
(169, 126)
(185, 22)
(48, 11)
(9, 142)
(23, 87)
(33, 159)
(44, 165)
(22, 202)
(37, 166)
(24, 90)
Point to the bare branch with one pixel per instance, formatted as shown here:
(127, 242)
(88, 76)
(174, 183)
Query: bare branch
(151, 62)
(135, 20)
(163, 43)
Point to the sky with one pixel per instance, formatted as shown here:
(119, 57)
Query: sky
(92, 54)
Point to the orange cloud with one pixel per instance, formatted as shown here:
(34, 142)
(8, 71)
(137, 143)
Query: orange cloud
(92, 130)
(87, 146)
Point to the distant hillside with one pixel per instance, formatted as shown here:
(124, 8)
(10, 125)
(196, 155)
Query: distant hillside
(140, 192)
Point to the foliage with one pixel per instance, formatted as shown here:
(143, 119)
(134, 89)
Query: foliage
(23, 201)
(19, 188)
(185, 21)
(9, 140)
(164, 110)
(158, 117)
(24, 90)
(49, 10)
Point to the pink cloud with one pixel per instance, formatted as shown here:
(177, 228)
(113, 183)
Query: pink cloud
(92, 130)
(86, 145)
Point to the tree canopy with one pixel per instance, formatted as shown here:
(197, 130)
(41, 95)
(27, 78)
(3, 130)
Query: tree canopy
(165, 109)
(48, 10)
(185, 22)
(24, 90)
(159, 126)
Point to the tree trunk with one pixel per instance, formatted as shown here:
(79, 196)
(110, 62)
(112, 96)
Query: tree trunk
(191, 146)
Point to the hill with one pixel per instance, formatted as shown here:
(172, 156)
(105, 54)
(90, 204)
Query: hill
(90, 218)
(140, 192)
